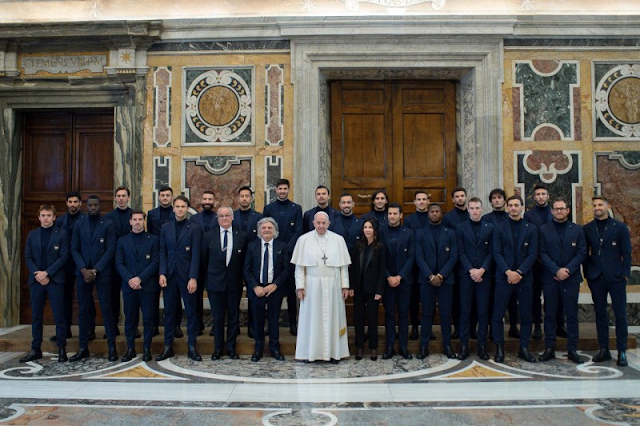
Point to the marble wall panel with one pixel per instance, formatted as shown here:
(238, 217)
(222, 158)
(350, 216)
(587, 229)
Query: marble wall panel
(547, 103)
(162, 107)
(221, 174)
(561, 171)
(273, 170)
(274, 105)
(161, 175)
(218, 106)
(616, 101)
(617, 177)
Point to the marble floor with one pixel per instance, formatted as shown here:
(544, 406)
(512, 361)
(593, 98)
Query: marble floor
(434, 391)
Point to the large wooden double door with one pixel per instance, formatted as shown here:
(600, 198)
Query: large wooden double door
(63, 151)
(396, 135)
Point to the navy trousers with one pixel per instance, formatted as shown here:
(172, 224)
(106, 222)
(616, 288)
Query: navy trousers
(225, 303)
(39, 294)
(133, 302)
(618, 292)
(428, 295)
(273, 305)
(481, 292)
(560, 296)
(524, 294)
(103, 284)
(397, 300)
(173, 292)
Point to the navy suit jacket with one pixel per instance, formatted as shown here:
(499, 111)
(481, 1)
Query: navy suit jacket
(355, 232)
(289, 222)
(474, 252)
(198, 219)
(252, 230)
(154, 222)
(405, 254)
(180, 257)
(556, 254)
(613, 260)
(61, 222)
(537, 217)
(253, 263)
(142, 263)
(220, 276)
(97, 250)
(57, 254)
(413, 222)
(307, 219)
(494, 219)
(504, 250)
(455, 217)
(121, 228)
(447, 254)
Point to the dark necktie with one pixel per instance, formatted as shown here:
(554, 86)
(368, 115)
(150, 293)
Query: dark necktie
(265, 265)
(225, 242)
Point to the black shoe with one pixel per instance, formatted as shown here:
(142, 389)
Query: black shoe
(54, 338)
(424, 352)
(277, 356)
(257, 356)
(547, 355)
(32, 355)
(404, 353)
(524, 354)
(92, 335)
(374, 355)
(156, 332)
(537, 332)
(414, 333)
(166, 353)
(482, 353)
(448, 352)
(62, 354)
(456, 334)
(211, 333)
(622, 359)
(250, 332)
(573, 356)
(359, 353)
(178, 333)
(561, 332)
(293, 330)
(113, 355)
(81, 354)
(602, 355)
(464, 353)
(433, 337)
(233, 355)
(192, 353)
(200, 333)
(514, 332)
(389, 353)
(216, 356)
(146, 355)
(499, 357)
(334, 361)
(129, 355)
(137, 333)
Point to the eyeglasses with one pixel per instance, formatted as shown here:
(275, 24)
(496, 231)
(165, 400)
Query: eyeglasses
(224, 216)
(559, 209)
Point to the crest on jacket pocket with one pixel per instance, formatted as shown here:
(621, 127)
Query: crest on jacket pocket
(101, 240)
(573, 244)
(56, 247)
(148, 256)
(187, 248)
(614, 243)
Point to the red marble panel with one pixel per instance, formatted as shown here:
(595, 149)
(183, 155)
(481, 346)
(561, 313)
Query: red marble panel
(515, 101)
(225, 186)
(577, 119)
(547, 133)
(544, 66)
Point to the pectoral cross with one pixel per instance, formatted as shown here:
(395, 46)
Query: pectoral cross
(324, 257)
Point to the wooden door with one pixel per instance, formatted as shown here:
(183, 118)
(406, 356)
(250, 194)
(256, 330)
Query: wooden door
(63, 151)
(396, 135)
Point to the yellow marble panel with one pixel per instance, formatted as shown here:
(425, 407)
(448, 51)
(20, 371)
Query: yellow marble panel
(138, 372)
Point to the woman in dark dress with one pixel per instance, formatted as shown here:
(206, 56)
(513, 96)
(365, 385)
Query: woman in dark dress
(367, 280)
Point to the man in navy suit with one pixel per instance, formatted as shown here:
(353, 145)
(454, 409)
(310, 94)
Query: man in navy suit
(436, 255)
(223, 255)
(246, 218)
(399, 242)
(288, 215)
(346, 223)
(46, 254)
(180, 243)
(322, 198)
(155, 219)
(608, 267)
(93, 247)
(137, 264)
(475, 238)
(379, 203)
(266, 269)
(515, 250)
(563, 248)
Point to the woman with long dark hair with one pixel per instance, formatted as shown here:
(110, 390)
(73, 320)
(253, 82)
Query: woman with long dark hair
(367, 280)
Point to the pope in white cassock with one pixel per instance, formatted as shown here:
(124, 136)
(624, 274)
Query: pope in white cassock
(322, 285)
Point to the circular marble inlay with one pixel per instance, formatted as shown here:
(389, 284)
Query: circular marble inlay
(624, 100)
(218, 105)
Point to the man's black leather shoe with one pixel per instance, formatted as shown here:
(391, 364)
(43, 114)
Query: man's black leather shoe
(482, 353)
(192, 353)
(499, 357)
(602, 355)
(389, 353)
(547, 355)
(81, 354)
(54, 338)
(129, 355)
(455, 335)
(234, 355)
(146, 355)
(32, 355)
(156, 332)
(277, 355)
(414, 333)
(514, 332)
(537, 332)
(216, 355)
(62, 354)
(424, 352)
(178, 333)
(250, 332)
(293, 330)
(334, 361)
(257, 356)
(622, 359)
(448, 352)
(211, 333)
(166, 353)
(113, 355)
(524, 354)
(404, 353)
(573, 356)
(92, 335)
(464, 353)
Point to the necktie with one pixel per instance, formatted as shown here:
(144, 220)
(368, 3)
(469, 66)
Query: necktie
(265, 265)
(225, 242)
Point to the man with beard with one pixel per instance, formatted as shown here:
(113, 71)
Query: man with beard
(346, 223)
(322, 198)
(379, 203)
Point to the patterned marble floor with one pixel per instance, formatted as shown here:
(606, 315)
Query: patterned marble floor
(434, 391)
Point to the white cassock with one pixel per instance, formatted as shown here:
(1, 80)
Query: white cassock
(322, 270)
